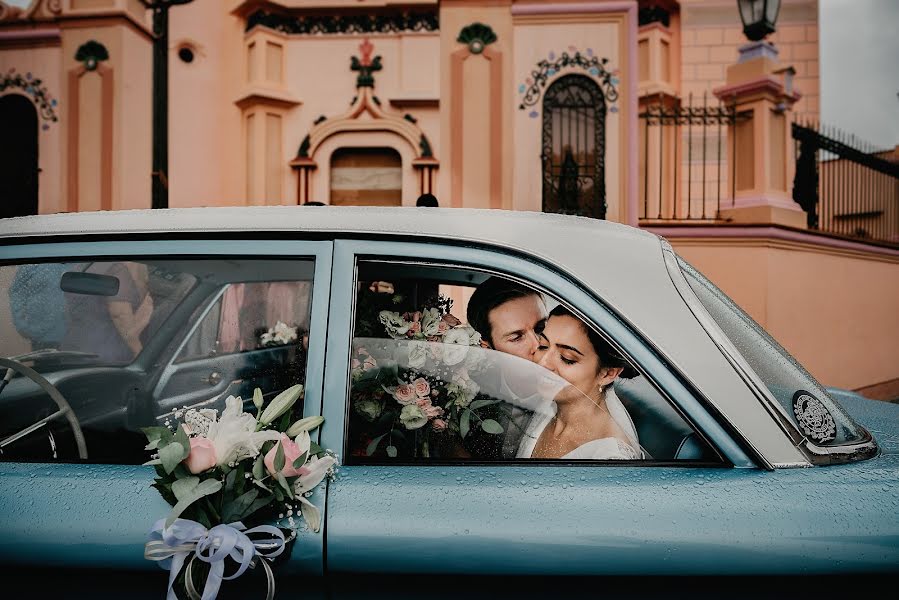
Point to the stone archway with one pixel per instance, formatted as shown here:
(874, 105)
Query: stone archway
(18, 156)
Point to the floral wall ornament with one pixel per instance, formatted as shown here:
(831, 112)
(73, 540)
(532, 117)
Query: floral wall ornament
(533, 86)
(34, 87)
(329, 25)
(365, 65)
(477, 36)
(91, 53)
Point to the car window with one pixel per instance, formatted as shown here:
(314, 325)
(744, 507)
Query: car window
(249, 316)
(453, 364)
(89, 349)
(812, 410)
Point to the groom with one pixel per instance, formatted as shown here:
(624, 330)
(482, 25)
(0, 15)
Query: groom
(509, 317)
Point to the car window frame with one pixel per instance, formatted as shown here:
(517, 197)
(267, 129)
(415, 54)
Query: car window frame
(100, 247)
(534, 273)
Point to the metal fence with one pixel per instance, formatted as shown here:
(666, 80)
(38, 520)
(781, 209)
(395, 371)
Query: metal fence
(686, 162)
(845, 185)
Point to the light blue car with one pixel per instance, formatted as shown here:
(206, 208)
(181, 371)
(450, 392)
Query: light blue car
(727, 458)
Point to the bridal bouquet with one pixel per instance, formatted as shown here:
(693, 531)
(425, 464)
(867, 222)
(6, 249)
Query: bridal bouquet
(420, 384)
(229, 476)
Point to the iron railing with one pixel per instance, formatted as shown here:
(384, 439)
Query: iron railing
(686, 164)
(845, 185)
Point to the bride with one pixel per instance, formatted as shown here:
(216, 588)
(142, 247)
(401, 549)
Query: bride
(586, 420)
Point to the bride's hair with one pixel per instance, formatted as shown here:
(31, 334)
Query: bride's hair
(608, 357)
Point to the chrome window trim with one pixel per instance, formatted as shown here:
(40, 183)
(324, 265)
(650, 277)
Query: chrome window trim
(816, 455)
(731, 451)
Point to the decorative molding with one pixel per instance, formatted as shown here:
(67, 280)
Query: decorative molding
(34, 87)
(342, 24)
(106, 135)
(654, 14)
(91, 54)
(532, 88)
(40, 37)
(366, 66)
(476, 36)
(254, 95)
(410, 102)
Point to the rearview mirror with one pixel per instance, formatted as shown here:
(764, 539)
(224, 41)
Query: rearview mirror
(91, 284)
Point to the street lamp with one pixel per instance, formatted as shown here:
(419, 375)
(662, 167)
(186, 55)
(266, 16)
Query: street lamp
(758, 17)
(160, 10)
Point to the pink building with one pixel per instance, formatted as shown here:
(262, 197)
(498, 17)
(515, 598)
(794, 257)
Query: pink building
(642, 112)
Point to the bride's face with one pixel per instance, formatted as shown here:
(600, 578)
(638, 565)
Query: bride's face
(566, 350)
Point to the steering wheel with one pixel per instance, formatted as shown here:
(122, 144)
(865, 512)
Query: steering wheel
(65, 410)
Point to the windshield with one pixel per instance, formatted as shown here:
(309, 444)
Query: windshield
(812, 410)
(73, 314)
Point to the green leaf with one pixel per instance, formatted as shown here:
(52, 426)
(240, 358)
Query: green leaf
(170, 455)
(230, 478)
(482, 403)
(491, 426)
(279, 458)
(180, 437)
(300, 461)
(259, 468)
(186, 498)
(286, 486)
(157, 436)
(279, 493)
(182, 487)
(391, 451)
(372, 446)
(234, 510)
(315, 448)
(259, 503)
(258, 483)
(464, 423)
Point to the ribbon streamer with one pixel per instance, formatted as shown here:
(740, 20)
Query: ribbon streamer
(172, 546)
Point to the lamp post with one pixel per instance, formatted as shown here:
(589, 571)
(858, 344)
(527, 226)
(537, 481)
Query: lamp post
(160, 185)
(759, 17)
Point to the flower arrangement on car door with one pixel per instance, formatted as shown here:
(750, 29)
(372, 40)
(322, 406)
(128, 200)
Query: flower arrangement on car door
(228, 477)
(415, 383)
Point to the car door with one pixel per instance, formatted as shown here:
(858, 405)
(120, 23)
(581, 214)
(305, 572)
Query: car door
(73, 514)
(669, 514)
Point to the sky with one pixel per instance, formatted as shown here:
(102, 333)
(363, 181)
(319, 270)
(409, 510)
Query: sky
(859, 68)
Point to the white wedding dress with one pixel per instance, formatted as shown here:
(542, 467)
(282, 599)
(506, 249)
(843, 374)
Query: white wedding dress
(608, 448)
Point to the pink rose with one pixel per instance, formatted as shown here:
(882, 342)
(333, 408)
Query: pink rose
(405, 394)
(438, 424)
(291, 453)
(413, 329)
(442, 327)
(369, 364)
(355, 364)
(422, 387)
(202, 455)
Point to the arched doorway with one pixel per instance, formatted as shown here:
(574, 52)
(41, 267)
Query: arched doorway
(18, 156)
(574, 119)
(366, 177)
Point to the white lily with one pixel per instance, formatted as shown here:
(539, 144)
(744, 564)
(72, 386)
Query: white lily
(281, 404)
(234, 435)
(318, 468)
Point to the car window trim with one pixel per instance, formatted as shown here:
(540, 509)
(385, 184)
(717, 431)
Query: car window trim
(349, 252)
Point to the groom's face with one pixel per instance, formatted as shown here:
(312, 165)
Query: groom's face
(514, 325)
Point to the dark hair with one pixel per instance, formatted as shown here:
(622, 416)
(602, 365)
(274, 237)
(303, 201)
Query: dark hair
(427, 200)
(493, 292)
(608, 356)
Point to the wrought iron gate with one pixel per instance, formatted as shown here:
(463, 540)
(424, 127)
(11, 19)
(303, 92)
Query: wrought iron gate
(574, 120)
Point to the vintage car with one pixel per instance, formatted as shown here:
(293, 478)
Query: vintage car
(114, 321)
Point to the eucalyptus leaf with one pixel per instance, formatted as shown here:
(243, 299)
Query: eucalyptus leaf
(372, 446)
(259, 503)
(183, 487)
(258, 483)
(259, 467)
(180, 437)
(491, 426)
(391, 451)
(464, 423)
(207, 487)
(482, 403)
(170, 455)
(157, 436)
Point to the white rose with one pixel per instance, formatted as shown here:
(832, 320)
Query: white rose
(412, 417)
(370, 409)
(395, 324)
(456, 346)
(430, 322)
(418, 354)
